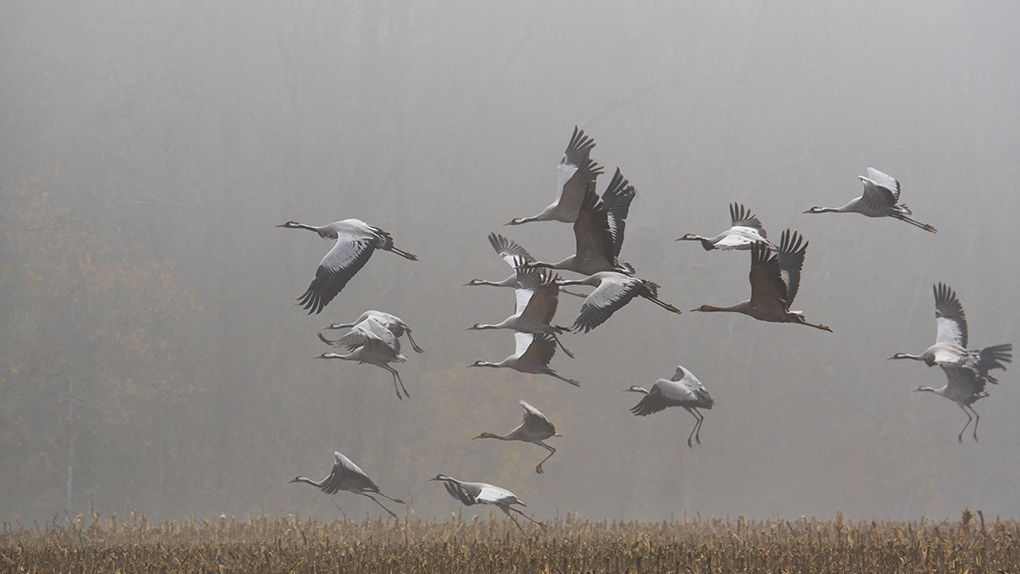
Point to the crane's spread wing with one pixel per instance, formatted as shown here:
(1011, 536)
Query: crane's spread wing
(950, 319)
(965, 385)
(791, 260)
(540, 350)
(601, 303)
(344, 260)
(370, 334)
(592, 238)
(878, 198)
(535, 420)
(616, 205)
(508, 250)
(886, 181)
(740, 216)
(577, 172)
(544, 296)
(768, 290)
(347, 476)
(458, 491)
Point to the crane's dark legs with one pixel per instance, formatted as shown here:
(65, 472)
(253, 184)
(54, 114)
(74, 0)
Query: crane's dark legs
(565, 351)
(696, 431)
(404, 254)
(552, 451)
(977, 419)
(915, 223)
(396, 379)
(338, 508)
(665, 306)
(414, 346)
(524, 515)
(969, 418)
(819, 326)
(380, 504)
(553, 373)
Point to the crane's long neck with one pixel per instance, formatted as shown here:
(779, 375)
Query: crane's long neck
(493, 435)
(508, 282)
(348, 357)
(707, 242)
(483, 326)
(590, 280)
(909, 356)
(742, 307)
(306, 480)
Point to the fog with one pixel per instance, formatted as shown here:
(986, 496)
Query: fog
(153, 356)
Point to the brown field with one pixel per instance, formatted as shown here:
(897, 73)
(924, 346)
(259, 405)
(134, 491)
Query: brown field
(288, 544)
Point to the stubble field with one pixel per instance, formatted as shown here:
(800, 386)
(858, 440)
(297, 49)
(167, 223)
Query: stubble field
(488, 543)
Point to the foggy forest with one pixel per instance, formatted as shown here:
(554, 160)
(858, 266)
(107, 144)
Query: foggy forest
(153, 356)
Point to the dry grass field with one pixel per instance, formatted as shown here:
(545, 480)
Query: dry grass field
(491, 544)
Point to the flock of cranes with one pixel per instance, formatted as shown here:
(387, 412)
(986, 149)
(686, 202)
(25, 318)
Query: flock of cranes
(599, 222)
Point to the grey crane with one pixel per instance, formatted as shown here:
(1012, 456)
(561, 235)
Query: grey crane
(964, 387)
(532, 356)
(880, 199)
(576, 174)
(774, 283)
(355, 243)
(347, 476)
(612, 291)
(745, 230)
(512, 253)
(535, 429)
(950, 348)
(372, 343)
(598, 231)
(537, 298)
(391, 322)
(471, 493)
(683, 390)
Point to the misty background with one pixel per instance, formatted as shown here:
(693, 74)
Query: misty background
(152, 356)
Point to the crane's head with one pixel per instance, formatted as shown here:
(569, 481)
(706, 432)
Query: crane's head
(928, 389)
(481, 364)
(290, 225)
(636, 389)
(487, 435)
(341, 326)
(440, 477)
(816, 209)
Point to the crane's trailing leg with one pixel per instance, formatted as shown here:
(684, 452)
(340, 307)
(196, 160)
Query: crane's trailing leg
(969, 418)
(381, 505)
(414, 345)
(565, 350)
(396, 379)
(552, 451)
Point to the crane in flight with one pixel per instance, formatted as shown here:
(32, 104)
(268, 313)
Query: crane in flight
(372, 343)
(967, 371)
(391, 322)
(612, 291)
(532, 356)
(471, 493)
(537, 298)
(512, 253)
(682, 390)
(347, 476)
(880, 199)
(745, 230)
(950, 348)
(535, 429)
(598, 231)
(355, 243)
(774, 283)
(576, 174)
